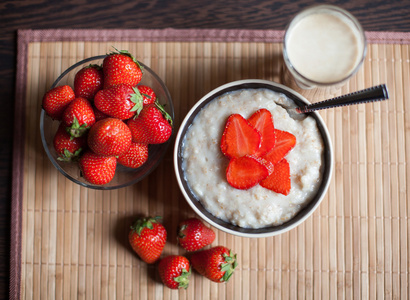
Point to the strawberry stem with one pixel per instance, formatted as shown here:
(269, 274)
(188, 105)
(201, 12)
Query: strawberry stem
(143, 223)
(75, 130)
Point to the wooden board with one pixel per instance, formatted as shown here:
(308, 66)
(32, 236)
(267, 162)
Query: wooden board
(70, 242)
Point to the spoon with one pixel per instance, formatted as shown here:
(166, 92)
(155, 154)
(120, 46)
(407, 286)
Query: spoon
(375, 93)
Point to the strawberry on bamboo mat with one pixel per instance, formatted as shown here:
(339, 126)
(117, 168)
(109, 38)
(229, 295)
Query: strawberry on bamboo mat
(175, 271)
(194, 235)
(147, 238)
(216, 264)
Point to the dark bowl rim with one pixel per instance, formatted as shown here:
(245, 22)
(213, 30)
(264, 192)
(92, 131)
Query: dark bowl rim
(225, 226)
(106, 187)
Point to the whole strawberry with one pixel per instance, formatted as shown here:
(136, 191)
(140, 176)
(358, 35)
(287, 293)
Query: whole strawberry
(135, 157)
(152, 126)
(147, 93)
(175, 271)
(97, 169)
(56, 100)
(99, 115)
(78, 117)
(120, 101)
(109, 137)
(88, 81)
(194, 235)
(216, 264)
(121, 67)
(147, 238)
(68, 147)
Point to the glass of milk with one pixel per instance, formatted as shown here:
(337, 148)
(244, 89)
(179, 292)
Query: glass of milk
(323, 46)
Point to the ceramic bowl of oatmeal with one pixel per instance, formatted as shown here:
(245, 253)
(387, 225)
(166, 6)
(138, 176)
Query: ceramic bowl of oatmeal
(201, 167)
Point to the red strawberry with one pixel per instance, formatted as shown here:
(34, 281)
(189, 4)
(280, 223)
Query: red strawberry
(56, 100)
(120, 101)
(175, 271)
(97, 169)
(99, 115)
(88, 81)
(68, 147)
(262, 121)
(285, 141)
(279, 180)
(152, 126)
(147, 238)
(135, 157)
(109, 136)
(266, 163)
(194, 235)
(239, 137)
(121, 68)
(147, 93)
(78, 117)
(245, 172)
(216, 264)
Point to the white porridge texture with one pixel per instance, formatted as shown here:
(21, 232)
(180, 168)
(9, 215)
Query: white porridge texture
(205, 165)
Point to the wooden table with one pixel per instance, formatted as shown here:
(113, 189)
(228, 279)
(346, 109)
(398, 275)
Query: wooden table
(373, 15)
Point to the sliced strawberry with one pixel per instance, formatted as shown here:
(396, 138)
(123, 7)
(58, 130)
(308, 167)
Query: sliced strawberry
(245, 172)
(266, 163)
(279, 180)
(262, 121)
(239, 137)
(285, 141)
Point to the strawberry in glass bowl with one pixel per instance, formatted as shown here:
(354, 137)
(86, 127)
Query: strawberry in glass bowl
(85, 117)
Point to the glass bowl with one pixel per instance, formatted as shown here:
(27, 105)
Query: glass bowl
(194, 201)
(123, 176)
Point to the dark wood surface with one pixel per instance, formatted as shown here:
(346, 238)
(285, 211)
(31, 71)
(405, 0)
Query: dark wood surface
(374, 15)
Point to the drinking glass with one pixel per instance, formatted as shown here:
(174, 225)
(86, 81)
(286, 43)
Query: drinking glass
(323, 46)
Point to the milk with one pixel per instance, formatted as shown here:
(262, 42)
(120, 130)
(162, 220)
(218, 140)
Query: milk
(324, 46)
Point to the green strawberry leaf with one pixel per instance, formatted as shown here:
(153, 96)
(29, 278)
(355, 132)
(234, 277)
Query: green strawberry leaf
(146, 95)
(225, 267)
(180, 233)
(164, 112)
(65, 156)
(183, 279)
(140, 224)
(138, 100)
(125, 52)
(228, 266)
(75, 130)
(98, 67)
(68, 156)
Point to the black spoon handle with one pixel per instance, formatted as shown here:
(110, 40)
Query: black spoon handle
(376, 93)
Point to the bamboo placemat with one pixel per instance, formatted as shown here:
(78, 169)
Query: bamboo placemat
(70, 242)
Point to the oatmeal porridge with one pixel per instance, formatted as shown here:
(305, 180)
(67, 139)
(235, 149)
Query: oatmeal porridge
(205, 166)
